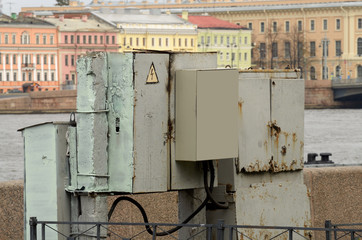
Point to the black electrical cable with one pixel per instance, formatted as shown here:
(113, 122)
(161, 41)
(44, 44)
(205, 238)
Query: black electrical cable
(168, 232)
(208, 191)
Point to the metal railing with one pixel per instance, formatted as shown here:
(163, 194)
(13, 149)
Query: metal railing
(346, 81)
(219, 231)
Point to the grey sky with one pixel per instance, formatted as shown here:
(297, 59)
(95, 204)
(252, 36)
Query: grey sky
(16, 5)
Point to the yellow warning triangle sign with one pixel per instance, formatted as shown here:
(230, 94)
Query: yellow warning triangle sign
(152, 75)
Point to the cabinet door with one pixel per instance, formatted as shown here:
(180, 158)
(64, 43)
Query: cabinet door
(287, 120)
(254, 131)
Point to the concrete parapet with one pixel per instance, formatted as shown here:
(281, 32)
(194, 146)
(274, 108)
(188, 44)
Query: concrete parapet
(334, 193)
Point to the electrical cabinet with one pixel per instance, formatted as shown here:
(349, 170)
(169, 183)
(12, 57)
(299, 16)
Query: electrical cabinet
(271, 124)
(206, 114)
(46, 176)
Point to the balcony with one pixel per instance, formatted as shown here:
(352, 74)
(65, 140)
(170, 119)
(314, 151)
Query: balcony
(27, 66)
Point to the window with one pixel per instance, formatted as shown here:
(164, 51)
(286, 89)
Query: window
(153, 42)
(325, 49)
(6, 39)
(227, 40)
(52, 59)
(14, 76)
(45, 59)
(338, 24)
(262, 27)
(66, 39)
(130, 41)
(312, 25)
(7, 59)
(38, 59)
(66, 60)
(72, 39)
(166, 42)
(250, 26)
(52, 77)
(208, 40)
(312, 73)
(38, 76)
(124, 41)
(202, 40)
(338, 48)
(275, 26)
(14, 59)
(192, 42)
(0, 58)
(325, 24)
(338, 71)
(24, 38)
(300, 26)
(185, 42)
(359, 71)
(179, 42)
(234, 40)
(37, 39)
(29, 76)
(300, 52)
(359, 46)
(227, 56)
(44, 39)
(45, 76)
(72, 60)
(1, 76)
(95, 39)
(113, 40)
(84, 39)
(312, 49)
(51, 39)
(7, 76)
(262, 50)
(13, 38)
(160, 42)
(287, 26)
(221, 40)
(359, 23)
(246, 56)
(101, 39)
(274, 49)
(137, 42)
(107, 39)
(245, 40)
(215, 40)
(24, 77)
(144, 41)
(89, 39)
(73, 78)
(287, 49)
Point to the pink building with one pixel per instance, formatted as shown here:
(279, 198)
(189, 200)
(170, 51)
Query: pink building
(78, 35)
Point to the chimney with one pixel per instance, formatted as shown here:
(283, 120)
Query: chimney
(185, 15)
(61, 18)
(84, 18)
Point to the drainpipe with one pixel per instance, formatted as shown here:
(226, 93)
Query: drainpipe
(346, 43)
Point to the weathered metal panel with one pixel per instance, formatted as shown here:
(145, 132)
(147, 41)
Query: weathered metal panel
(185, 175)
(72, 153)
(120, 97)
(45, 176)
(254, 133)
(150, 122)
(271, 199)
(287, 124)
(92, 124)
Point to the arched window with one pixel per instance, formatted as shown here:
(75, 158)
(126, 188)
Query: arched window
(25, 39)
(359, 46)
(338, 71)
(312, 73)
(359, 72)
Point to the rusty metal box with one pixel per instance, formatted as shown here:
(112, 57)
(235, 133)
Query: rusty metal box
(206, 114)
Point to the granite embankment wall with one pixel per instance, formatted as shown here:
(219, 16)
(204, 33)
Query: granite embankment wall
(40, 102)
(319, 94)
(335, 194)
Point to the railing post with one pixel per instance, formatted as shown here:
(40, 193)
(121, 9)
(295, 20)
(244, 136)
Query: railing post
(220, 229)
(231, 231)
(352, 235)
(98, 231)
(33, 226)
(154, 235)
(290, 234)
(43, 231)
(328, 224)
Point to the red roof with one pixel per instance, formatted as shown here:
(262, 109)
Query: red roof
(212, 22)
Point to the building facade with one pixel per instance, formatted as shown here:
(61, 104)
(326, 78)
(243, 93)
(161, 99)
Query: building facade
(324, 40)
(151, 31)
(79, 34)
(232, 42)
(28, 54)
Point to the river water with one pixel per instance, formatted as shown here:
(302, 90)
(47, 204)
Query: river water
(338, 131)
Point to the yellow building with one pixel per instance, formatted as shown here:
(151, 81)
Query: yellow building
(152, 31)
(232, 42)
(324, 39)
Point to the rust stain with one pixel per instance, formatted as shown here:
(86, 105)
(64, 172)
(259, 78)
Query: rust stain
(284, 150)
(240, 105)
